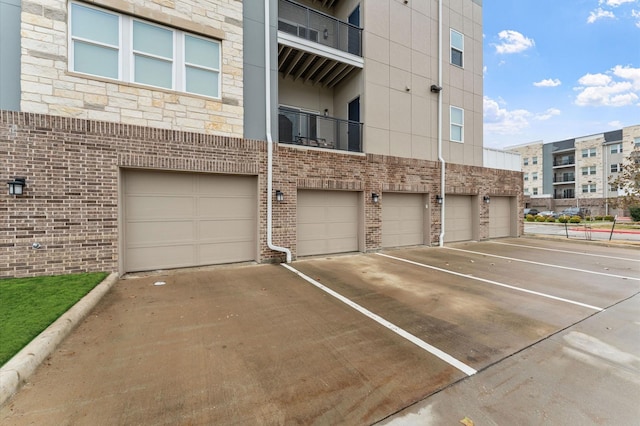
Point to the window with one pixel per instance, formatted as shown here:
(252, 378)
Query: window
(534, 160)
(588, 152)
(534, 176)
(526, 176)
(636, 142)
(120, 47)
(589, 188)
(591, 170)
(457, 124)
(535, 191)
(526, 191)
(457, 48)
(616, 148)
(614, 168)
(525, 161)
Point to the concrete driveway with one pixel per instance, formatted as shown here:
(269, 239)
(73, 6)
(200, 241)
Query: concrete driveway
(357, 339)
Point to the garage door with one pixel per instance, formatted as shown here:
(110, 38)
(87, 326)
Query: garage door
(500, 217)
(402, 220)
(327, 222)
(458, 220)
(181, 219)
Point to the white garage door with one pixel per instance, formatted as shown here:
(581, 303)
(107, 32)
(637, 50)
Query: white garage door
(184, 219)
(402, 220)
(327, 222)
(458, 220)
(500, 217)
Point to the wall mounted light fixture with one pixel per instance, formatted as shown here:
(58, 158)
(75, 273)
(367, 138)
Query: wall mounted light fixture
(279, 196)
(16, 186)
(375, 198)
(486, 199)
(439, 199)
(435, 88)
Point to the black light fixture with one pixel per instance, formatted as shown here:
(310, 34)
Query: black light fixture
(375, 198)
(439, 199)
(486, 199)
(16, 186)
(279, 196)
(435, 88)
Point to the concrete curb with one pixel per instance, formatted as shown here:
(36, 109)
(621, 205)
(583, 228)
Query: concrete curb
(18, 369)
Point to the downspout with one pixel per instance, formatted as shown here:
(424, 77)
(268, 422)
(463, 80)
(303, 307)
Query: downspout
(440, 157)
(267, 76)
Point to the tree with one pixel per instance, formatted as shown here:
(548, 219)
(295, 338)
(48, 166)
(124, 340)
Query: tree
(628, 182)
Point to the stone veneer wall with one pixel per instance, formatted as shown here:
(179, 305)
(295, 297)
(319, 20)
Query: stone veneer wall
(72, 166)
(48, 87)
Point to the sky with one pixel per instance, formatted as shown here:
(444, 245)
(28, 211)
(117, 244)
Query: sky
(559, 69)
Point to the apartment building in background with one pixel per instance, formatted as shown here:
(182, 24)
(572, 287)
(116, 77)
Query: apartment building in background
(577, 172)
(154, 135)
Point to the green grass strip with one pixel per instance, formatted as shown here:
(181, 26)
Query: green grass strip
(29, 305)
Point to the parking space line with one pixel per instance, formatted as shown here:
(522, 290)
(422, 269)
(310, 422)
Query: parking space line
(551, 265)
(524, 290)
(399, 331)
(566, 251)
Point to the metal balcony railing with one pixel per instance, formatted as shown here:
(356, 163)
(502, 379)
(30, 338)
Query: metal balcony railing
(302, 128)
(570, 161)
(564, 179)
(304, 22)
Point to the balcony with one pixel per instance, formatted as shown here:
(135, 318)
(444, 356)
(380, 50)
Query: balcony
(558, 180)
(564, 162)
(316, 47)
(302, 128)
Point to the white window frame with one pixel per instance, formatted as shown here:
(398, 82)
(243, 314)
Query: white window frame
(535, 191)
(587, 188)
(526, 176)
(616, 148)
(525, 161)
(126, 54)
(459, 125)
(456, 48)
(534, 160)
(615, 168)
(534, 176)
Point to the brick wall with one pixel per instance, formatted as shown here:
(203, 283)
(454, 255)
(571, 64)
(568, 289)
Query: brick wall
(72, 166)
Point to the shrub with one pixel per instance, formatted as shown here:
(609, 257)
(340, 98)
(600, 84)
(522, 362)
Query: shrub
(540, 219)
(530, 218)
(634, 211)
(608, 218)
(563, 219)
(599, 217)
(550, 219)
(575, 219)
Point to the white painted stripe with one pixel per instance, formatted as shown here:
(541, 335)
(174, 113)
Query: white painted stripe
(550, 265)
(566, 251)
(524, 290)
(410, 337)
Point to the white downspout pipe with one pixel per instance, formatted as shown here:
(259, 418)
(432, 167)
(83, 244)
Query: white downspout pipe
(440, 157)
(267, 76)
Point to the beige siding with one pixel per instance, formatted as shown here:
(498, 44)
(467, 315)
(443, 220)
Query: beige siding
(402, 220)
(180, 219)
(327, 222)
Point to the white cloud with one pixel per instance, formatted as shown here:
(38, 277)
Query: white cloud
(615, 124)
(636, 15)
(599, 13)
(551, 112)
(620, 86)
(502, 121)
(513, 42)
(615, 3)
(548, 83)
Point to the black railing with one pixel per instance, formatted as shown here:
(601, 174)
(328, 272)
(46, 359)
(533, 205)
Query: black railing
(565, 161)
(302, 128)
(304, 22)
(560, 179)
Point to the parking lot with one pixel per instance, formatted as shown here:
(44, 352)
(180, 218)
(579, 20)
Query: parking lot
(522, 331)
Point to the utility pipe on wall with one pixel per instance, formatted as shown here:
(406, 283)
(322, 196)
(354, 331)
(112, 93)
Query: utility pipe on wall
(440, 157)
(267, 73)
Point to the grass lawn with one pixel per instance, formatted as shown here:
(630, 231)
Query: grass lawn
(29, 305)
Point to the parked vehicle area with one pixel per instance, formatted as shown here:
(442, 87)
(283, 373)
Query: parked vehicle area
(358, 339)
